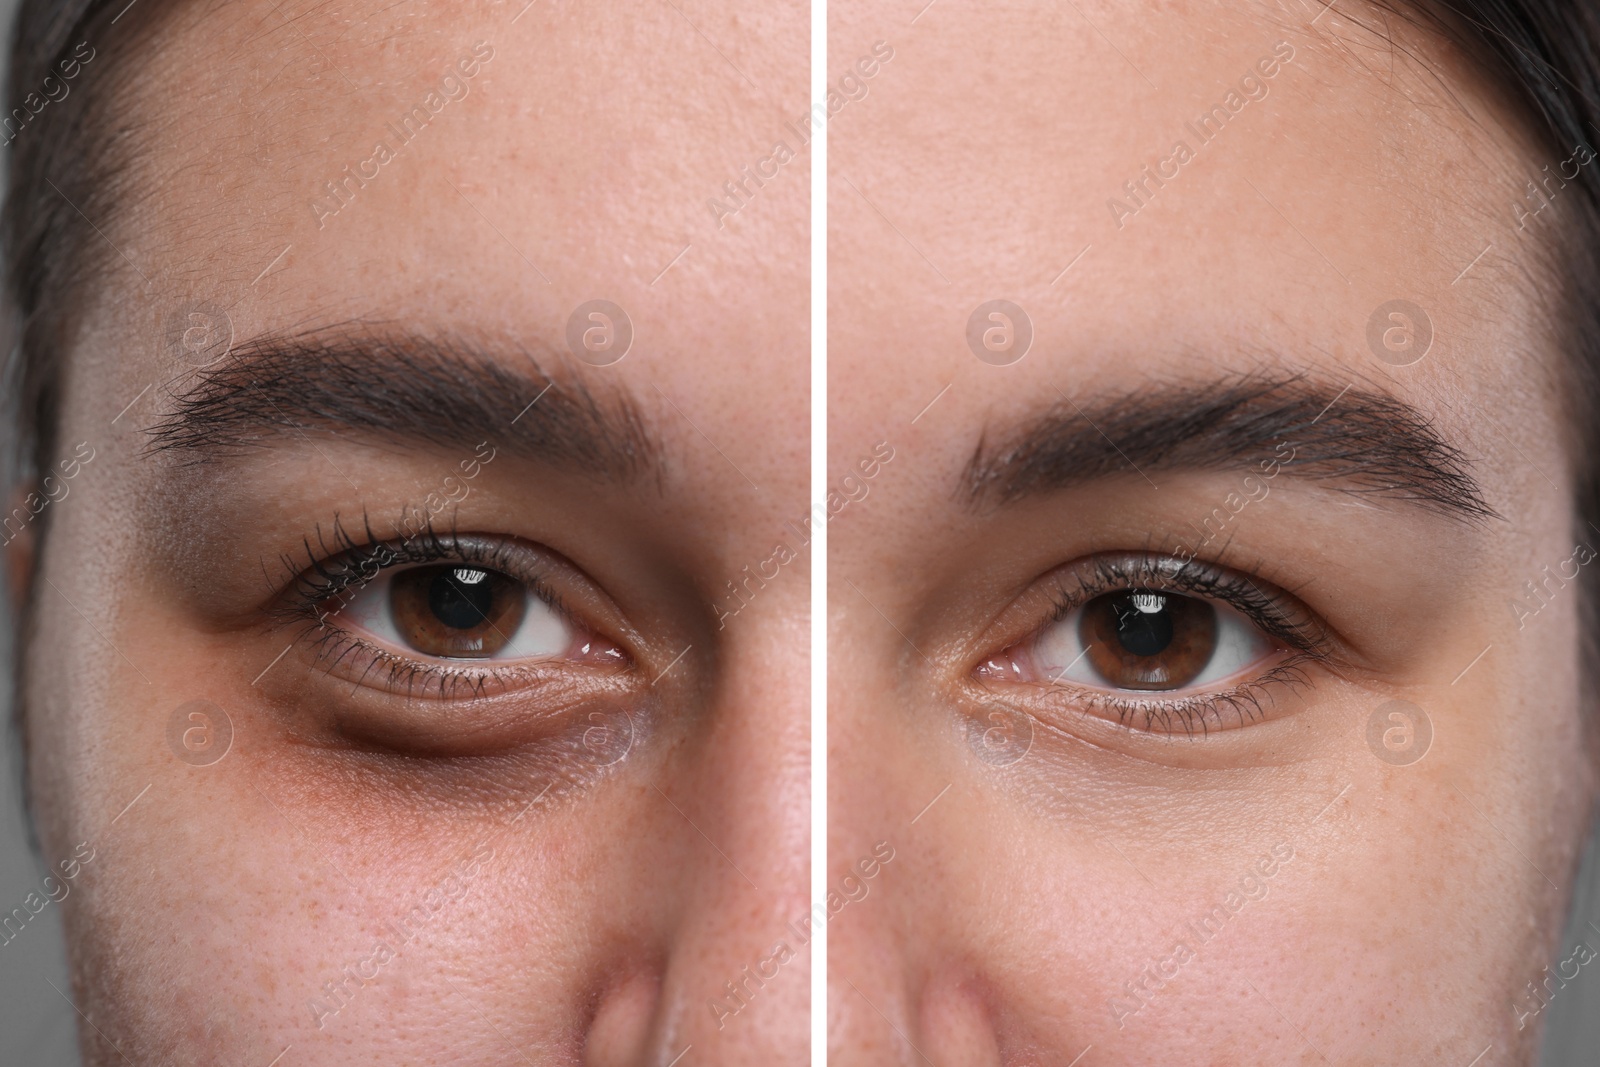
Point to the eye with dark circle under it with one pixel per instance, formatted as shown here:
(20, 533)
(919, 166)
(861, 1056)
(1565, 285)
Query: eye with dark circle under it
(459, 611)
(1148, 640)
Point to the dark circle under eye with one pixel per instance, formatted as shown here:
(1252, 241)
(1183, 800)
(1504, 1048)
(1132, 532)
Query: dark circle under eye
(1138, 639)
(455, 610)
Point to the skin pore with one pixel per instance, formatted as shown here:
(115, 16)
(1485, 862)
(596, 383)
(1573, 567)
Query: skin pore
(563, 858)
(1249, 872)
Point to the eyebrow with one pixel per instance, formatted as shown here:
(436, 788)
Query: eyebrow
(405, 388)
(1367, 442)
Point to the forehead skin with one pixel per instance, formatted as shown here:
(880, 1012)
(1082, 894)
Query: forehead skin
(576, 167)
(979, 167)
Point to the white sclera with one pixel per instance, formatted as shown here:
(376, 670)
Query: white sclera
(1060, 654)
(542, 633)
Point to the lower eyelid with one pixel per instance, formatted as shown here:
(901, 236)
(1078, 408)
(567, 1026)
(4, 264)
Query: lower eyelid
(352, 658)
(1191, 713)
(547, 710)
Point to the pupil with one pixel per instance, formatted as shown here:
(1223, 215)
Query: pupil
(461, 598)
(1144, 625)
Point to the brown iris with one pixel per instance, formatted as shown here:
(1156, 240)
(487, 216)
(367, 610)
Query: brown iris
(1147, 640)
(455, 611)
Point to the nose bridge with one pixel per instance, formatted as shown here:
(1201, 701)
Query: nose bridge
(736, 985)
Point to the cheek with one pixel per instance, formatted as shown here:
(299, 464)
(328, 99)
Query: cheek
(299, 880)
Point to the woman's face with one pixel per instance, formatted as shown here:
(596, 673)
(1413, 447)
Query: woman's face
(1185, 654)
(418, 677)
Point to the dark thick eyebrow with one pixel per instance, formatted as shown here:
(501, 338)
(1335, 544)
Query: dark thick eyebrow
(402, 388)
(1368, 442)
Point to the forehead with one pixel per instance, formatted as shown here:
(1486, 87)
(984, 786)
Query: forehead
(472, 167)
(1166, 189)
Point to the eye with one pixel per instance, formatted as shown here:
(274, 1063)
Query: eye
(1156, 643)
(459, 611)
(1148, 640)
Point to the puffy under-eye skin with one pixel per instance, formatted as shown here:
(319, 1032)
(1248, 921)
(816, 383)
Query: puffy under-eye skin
(1224, 644)
(446, 644)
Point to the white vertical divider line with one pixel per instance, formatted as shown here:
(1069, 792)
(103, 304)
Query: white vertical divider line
(819, 542)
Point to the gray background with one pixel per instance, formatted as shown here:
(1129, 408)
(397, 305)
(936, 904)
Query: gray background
(37, 1025)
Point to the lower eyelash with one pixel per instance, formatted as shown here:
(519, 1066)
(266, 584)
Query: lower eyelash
(335, 645)
(1197, 714)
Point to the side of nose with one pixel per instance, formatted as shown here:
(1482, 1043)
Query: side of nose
(732, 985)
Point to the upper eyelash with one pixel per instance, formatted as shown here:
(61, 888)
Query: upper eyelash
(329, 571)
(1190, 576)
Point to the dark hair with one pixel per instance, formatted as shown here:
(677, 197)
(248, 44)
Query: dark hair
(55, 188)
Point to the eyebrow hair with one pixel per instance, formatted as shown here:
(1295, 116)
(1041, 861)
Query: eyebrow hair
(1373, 443)
(402, 387)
